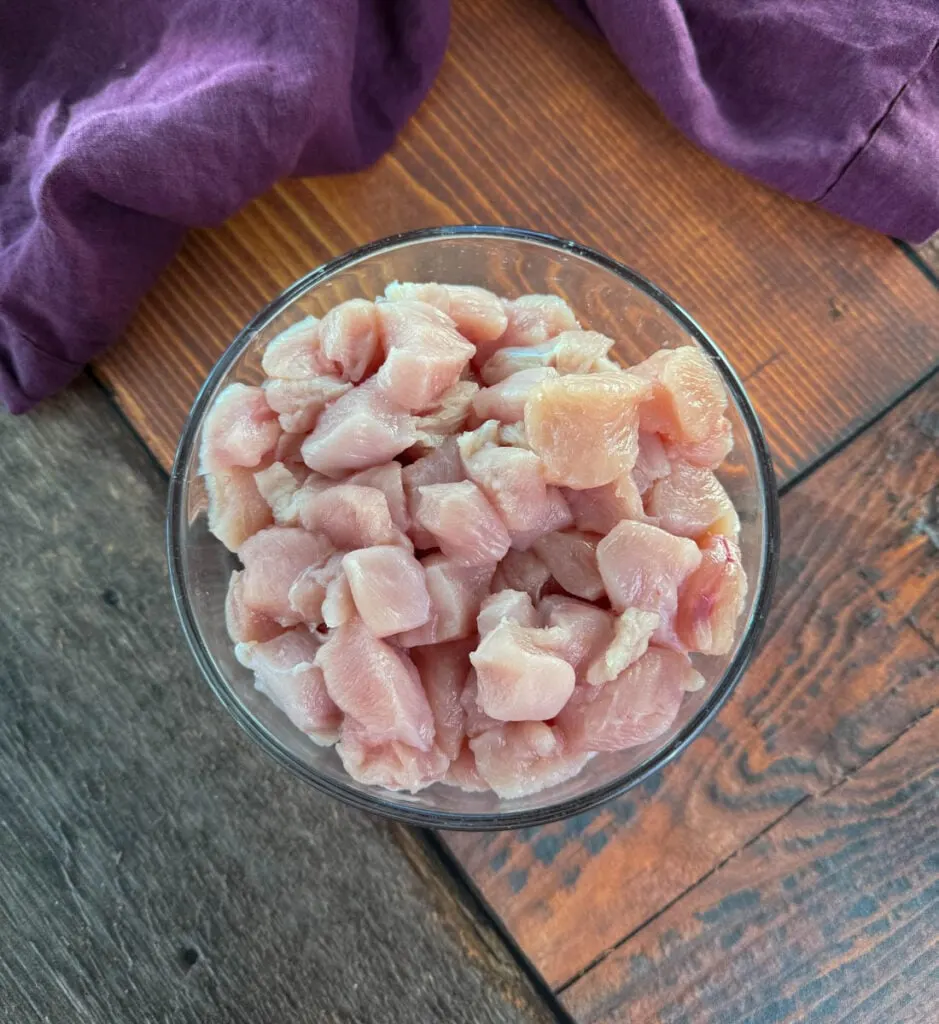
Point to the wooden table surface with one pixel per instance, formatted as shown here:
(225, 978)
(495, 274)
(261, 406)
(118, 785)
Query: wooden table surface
(786, 866)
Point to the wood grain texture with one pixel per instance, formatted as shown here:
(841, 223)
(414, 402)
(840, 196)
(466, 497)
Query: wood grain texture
(849, 661)
(830, 916)
(534, 124)
(156, 867)
(929, 253)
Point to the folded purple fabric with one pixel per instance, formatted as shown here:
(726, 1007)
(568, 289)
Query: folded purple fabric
(125, 122)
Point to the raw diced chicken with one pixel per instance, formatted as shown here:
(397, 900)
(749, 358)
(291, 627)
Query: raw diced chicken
(306, 594)
(362, 428)
(476, 721)
(687, 399)
(652, 462)
(712, 599)
(425, 354)
(236, 508)
(513, 434)
(513, 481)
(535, 319)
(351, 517)
(632, 632)
(455, 595)
(462, 522)
(506, 605)
(522, 758)
(585, 427)
(691, 502)
(434, 427)
(443, 669)
(240, 430)
(441, 466)
(349, 338)
(338, 605)
(244, 624)
(389, 480)
(505, 401)
(478, 314)
(519, 678)
(580, 631)
(393, 765)
(295, 354)
(643, 567)
(284, 671)
(571, 558)
(522, 570)
(569, 352)
(377, 685)
(638, 706)
(287, 450)
(557, 516)
(462, 773)
(709, 453)
(300, 402)
(273, 559)
(599, 509)
(279, 486)
(388, 588)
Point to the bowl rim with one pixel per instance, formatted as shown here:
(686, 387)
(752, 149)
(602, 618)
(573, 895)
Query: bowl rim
(382, 802)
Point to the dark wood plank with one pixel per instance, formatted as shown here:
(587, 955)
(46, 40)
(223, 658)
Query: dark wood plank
(831, 915)
(847, 665)
(533, 123)
(156, 867)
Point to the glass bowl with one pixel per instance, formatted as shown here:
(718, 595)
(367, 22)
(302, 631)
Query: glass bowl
(606, 296)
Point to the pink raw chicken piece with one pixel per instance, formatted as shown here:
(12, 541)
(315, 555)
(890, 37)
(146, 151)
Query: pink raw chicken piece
(505, 401)
(639, 705)
(506, 605)
(435, 426)
(462, 773)
(477, 721)
(513, 435)
(362, 428)
(424, 353)
(351, 517)
(349, 338)
(580, 631)
(393, 765)
(522, 758)
(710, 453)
(478, 314)
(712, 599)
(287, 450)
(441, 466)
(377, 685)
(571, 557)
(295, 354)
(389, 481)
(652, 463)
(245, 625)
(463, 523)
(585, 427)
(308, 591)
(443, 669)
(643, 567)
(632, 632)
(236, 508)
(300, 402)
(522, 570)
(691, 502)
(338, 604)
(389, 589)
(535, 319)
(519, 678)
(688, 398)
(285, 672)
(455, 594)
(599, 509)
(273, 559)
(279, 485)
(557, 516)
(240, 429)
(569, 352)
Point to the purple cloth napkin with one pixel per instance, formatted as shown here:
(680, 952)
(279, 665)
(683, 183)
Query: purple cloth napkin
(125, 122)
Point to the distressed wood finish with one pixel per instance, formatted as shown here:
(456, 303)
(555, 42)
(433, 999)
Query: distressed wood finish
(849, 662)
(156, 867)
(533, 123)
(831, 915)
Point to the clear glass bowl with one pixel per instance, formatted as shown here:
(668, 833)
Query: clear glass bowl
(607, 297)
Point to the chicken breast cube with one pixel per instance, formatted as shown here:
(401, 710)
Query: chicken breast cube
(535, 319)
(571, 557)
(522, 570)
(712, 599)
(455, 595)
(389, 480)
(435, 426)
(273, 559)
(388, 588)
(338, 604)
(236, 508)
(569, 352)
(632, 632)
(505, 401)
(505, 606)
(441, 466)
(513, 481)
(518, 678)
(638, 706)
(585, 427)
(349, 339)
(279, 486)
(393, 765)
(599, 509)
(424, 353)
(295, 354)
(443, 669)
(687, 400)
(300, 402)
(377, 685)
(362, 428)
(351, 517)
(709, 453)
(478, 314)
(691, 502)
(284, 671)
(477, 721)
(462, 773)
(579, 631)
(522, 758)
(240, 430)
(244, 624)
(652, 462)
(462, 522)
